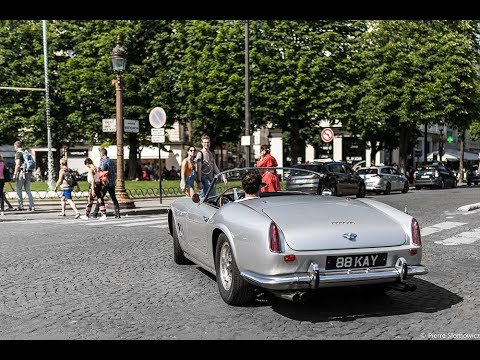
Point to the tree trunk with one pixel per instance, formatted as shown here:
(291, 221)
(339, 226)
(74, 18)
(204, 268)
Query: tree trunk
(403, 148)
(462, 150)
(373, 152)
(297, 146)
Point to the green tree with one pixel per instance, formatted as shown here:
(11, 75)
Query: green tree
(298, 75)
(206, 68)
(413, 73)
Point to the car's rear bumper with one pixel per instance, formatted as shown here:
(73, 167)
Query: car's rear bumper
(314, 279)
(428, 182)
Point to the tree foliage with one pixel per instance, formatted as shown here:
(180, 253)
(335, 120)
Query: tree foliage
(380, 79)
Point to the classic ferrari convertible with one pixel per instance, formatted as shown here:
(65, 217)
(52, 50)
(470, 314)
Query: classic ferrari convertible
(291, 242)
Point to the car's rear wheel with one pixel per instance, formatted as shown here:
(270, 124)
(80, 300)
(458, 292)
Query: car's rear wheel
(406, 187)
(178, 255)
(361, 191)
(233, 288)
(388, 188)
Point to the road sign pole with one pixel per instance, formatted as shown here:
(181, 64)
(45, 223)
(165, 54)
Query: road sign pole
(160, 172)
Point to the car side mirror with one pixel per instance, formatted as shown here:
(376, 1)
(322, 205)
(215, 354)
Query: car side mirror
(196, 198)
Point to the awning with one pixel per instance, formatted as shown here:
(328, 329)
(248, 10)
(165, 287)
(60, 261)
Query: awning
(454, 155)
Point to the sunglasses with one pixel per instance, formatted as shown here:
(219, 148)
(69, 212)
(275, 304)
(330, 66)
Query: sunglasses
(191, 150)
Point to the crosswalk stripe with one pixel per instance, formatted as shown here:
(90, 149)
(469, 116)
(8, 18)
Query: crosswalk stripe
(137, 223)
(467, 237)
(446, 225)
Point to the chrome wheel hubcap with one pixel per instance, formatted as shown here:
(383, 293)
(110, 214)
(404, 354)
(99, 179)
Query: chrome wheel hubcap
(226, 266)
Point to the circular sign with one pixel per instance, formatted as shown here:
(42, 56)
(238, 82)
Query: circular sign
(327, 135)
(157, 117)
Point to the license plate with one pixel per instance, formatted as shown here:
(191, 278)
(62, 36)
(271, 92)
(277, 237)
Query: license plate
(356, 261)
(425, 176)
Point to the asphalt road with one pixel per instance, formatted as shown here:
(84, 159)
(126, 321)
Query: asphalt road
(65, 279)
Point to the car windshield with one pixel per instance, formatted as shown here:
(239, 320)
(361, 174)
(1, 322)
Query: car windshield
(290, 181)
(369, 171)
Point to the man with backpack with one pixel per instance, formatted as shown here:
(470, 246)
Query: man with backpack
(67, 181)
(22, 175)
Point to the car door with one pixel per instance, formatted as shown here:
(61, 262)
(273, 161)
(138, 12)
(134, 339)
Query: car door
(341, 178)
(199, 229)
(395, 179)
(352, 179)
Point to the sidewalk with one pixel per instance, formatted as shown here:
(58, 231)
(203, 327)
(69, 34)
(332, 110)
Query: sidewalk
(51, 208)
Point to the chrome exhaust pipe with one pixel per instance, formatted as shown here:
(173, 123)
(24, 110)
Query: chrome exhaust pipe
(403, 287)
(294, 296)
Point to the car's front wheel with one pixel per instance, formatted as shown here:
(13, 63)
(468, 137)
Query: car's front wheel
(233, 288)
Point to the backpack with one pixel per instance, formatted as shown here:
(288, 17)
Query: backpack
(70, 178)
(28, 162)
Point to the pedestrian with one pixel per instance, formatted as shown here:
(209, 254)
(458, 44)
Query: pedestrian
(96, 189)
(206, 168)
(22, 178)
(4, 173)
(107, 164)
(188, 173)
(66, 187)
(269, 176)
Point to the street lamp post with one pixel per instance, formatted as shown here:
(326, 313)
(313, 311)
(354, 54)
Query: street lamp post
(119, 60)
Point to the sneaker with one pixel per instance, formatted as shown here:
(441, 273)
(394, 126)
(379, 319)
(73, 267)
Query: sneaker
(19, 209)
(61, 214)
(84, 217)
(10, 208)
(31, 209)
(77, 215)
(103, 217)
(117, 216)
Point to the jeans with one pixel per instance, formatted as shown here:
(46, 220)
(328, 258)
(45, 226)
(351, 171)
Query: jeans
(23, 180)
(116, 206)
(206, 184)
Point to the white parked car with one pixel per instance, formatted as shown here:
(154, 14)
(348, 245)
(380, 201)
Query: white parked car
(383, 179)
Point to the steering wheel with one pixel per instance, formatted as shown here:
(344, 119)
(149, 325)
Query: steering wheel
(220, 198)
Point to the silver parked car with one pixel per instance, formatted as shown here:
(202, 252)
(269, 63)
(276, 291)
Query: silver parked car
(292, 242)
(383, 179)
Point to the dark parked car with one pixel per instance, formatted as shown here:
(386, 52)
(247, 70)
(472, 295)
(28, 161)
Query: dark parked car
(335, 176)
(435, 176)
(473, 176)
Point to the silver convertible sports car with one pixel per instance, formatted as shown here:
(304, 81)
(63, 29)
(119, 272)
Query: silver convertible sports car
(291, 243)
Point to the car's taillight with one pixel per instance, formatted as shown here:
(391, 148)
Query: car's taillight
(275, 245)
(415, 175)
(416, 237)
